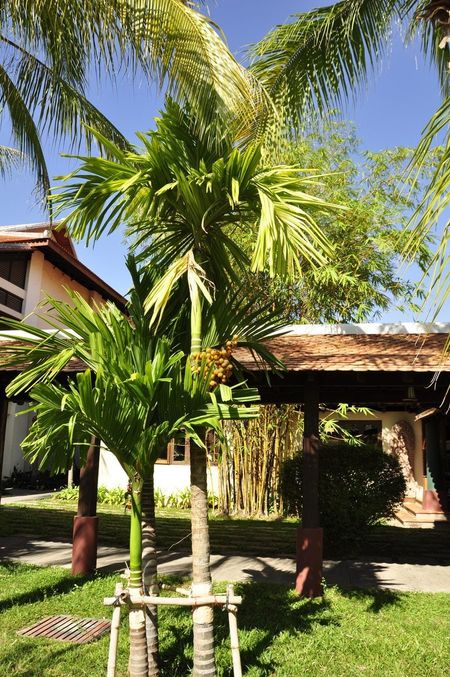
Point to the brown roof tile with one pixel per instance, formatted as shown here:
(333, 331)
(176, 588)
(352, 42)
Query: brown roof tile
(357, 352)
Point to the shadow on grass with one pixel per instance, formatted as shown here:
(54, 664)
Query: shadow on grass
(39, 594)
(378, 599)
(266, 612)
(24, 652)
(404, 545)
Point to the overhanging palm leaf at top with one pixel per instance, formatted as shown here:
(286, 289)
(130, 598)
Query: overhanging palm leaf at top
(49, 50)
(321, 57)
(182, 198)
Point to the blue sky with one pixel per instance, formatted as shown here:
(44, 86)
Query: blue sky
(391, 112)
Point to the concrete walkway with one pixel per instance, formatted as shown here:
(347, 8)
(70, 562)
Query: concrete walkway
(23, 495)
(346, 573)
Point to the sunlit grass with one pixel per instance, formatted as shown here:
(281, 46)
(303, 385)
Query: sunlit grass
(376, 633)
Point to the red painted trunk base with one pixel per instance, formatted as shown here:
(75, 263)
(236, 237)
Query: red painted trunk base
(84, 546)
(308, 582)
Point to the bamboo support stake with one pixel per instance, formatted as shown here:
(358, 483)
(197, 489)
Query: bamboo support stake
(114, 637)
(138, 599)
(234, 637)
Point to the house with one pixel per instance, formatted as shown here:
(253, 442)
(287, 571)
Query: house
(37, 260)
(389, 368)
(400, 371)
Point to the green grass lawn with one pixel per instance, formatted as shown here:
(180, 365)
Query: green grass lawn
(270, 537)
(379, 634)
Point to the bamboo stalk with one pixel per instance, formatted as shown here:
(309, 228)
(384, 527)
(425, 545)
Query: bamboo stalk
(114, 637)
(138, 599)
(234, 637)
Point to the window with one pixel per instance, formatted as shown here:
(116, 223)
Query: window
(13, 267)
(10, 300)
(177, 452)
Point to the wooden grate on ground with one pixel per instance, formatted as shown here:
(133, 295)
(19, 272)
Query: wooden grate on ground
(67, 629)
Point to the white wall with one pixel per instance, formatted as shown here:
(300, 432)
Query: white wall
(16, 430)
(54, 283)
(168, 478)
(43, 278)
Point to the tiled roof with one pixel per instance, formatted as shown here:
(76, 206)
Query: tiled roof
(58, 249)
(357, 352)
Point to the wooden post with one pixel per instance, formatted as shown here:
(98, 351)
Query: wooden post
(310, 535)
(85, 524)
(234, 637)
(114, 637)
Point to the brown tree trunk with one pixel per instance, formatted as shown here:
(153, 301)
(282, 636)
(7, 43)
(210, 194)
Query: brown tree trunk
(149, 567)
(85, 525)
(204, 664)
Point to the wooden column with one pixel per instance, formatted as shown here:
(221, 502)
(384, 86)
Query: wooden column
(85, 523)
(3, 419)
(310, 535)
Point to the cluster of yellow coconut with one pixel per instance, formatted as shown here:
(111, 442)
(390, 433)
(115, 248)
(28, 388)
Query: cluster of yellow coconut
(215, 362)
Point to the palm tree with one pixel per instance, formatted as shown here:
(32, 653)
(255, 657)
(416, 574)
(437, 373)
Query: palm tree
(135, 395)
(182, 197)
(323, 56)
(48, 48)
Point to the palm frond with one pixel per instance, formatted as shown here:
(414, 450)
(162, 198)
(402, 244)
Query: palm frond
(24, 130)
(10, 158)
(184, 48)
(58, 106)
(320, 57)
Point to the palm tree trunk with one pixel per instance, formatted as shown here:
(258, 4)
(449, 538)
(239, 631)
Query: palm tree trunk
(149, 566)
(138, 663)
(202, 617)
(201, 573)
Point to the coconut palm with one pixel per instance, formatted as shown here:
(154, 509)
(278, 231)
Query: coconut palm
(135, 395)
(182, 197)
(48, 49)
(323, 56)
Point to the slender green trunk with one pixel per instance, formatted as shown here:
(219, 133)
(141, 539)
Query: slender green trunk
(138, 663)
(149, 566)
(203, 628)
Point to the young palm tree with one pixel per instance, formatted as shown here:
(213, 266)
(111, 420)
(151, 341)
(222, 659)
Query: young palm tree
(182, 198)
(48, 48)
(135, 395)
(323, 56)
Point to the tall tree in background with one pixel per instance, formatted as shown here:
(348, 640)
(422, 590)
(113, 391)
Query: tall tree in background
(322, 57)
(362, 278)
(50, 51)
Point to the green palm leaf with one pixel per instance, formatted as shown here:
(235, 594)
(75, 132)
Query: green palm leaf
(318, 58)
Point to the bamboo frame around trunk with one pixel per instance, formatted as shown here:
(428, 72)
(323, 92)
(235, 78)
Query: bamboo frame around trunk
(114, 636)
(142, 600)
(134, 598)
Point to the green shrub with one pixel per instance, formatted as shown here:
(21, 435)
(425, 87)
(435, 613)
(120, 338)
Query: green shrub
(67, 494)
(358, 487)
(115, 496)
(179, 499)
